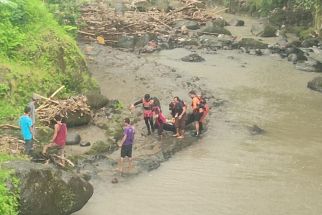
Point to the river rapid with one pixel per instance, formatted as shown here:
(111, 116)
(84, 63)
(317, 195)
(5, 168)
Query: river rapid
(229, 170)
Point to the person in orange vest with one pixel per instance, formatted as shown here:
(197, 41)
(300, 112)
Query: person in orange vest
(204, 109)
(196, 110)
(147, 111)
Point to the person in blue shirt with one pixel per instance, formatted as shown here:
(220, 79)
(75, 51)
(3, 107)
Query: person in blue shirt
(25, 123)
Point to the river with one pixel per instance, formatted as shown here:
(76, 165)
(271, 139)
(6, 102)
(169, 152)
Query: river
(229, 171)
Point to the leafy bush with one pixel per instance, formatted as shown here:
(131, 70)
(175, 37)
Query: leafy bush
(38, 55)
(9, 198)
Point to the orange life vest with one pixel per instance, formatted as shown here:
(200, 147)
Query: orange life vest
(147, 108)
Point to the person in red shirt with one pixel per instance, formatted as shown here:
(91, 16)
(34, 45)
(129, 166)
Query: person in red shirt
(59, 138)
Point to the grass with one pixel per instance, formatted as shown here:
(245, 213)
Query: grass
(9, 198)
(36, 55)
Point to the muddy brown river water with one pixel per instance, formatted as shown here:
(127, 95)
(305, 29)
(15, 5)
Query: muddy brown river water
(229, 171)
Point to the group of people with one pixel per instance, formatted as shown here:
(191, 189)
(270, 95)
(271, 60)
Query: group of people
(28, 129)
(152, 115)
(155, 119)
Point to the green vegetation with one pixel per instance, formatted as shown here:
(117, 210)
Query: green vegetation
(9, 198)
(36, 55)
(66, 12)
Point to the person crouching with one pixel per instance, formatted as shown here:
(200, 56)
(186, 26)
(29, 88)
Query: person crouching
(58, 139)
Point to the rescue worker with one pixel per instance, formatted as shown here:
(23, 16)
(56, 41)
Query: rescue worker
(196, 110)
(147, 111)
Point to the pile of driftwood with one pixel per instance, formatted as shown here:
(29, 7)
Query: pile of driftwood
(49, 107)
(105, 25)
(11, 145)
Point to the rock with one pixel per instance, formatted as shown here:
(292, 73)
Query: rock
(310, 42)
(311, 65)
(46, 190)
(220, 22)
(212, 28)
(76, 119)
(255, 130)
(115, 181)
(268, 31)
(257, 29)
(127, 42)
(96, 100)
(315, 84)
(85, 144)
(193, 58)
(191, 25)
(251, 44)
(73, 139)
(292, 57)
(236, 22)
(258, 52)
(215, 43)
(101, 147)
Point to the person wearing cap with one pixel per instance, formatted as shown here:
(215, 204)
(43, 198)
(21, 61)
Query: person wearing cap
(147, 111)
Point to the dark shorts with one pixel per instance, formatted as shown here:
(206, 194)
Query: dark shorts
(197, 116)
(28, 147)
(126, 151)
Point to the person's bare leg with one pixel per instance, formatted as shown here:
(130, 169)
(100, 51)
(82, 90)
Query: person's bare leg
(177, 134)
(45, 148)
(130, 163)
(197, 128)
(181, 136)
(121, 165)
(62, 156)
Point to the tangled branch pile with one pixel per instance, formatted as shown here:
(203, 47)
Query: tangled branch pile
(105, 22)
(50, 108)
(11, 145)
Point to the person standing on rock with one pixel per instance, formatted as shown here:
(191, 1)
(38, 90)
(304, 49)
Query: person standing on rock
(59, 138)
(126, 144)
(25, 124)
(147, 111)
(179, 117)
(195, 105)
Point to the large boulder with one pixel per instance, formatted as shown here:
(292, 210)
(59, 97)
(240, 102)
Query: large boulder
(73, 139)
(307, 43)
(263, 30)
(311, 65)
(96, 100)
(127, 42)
(236, 22)
(251, 43)
(215, 42)
(315, 84)
(193, 58)
(77, 119)
(45, 190)
(192, 25)
(220, 22)
(214, 29)
(268, 31)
